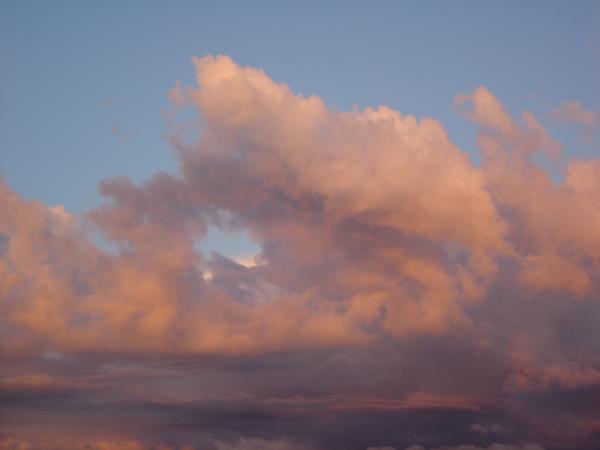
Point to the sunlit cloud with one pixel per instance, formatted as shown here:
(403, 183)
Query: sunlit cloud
(393, 276)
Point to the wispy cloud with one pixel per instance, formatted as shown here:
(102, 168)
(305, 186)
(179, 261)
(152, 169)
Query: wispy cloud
(574, 112)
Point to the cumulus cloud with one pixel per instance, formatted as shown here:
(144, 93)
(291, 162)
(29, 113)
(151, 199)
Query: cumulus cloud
(394, 277)
(370, 222)
(286, 168)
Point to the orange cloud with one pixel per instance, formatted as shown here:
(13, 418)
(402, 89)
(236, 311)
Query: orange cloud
(372, 224)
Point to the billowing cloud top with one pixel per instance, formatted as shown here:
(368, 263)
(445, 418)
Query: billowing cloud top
(394, 275)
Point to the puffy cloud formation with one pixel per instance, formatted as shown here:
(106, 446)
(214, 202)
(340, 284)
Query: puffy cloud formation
(396, 281)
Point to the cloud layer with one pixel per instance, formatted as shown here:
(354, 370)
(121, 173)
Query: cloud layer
(397, 283)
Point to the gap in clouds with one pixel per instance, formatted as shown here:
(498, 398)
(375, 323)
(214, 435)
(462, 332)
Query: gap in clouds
(235, 245)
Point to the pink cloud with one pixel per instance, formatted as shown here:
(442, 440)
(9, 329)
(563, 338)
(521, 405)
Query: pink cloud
(573, 111)
(378, 238)
(360, 207)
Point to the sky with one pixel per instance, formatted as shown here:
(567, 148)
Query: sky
(296, 225)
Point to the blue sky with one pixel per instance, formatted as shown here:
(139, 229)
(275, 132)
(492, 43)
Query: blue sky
(84, 85)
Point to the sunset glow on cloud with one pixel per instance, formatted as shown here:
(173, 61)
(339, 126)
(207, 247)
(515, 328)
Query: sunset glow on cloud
(406, 294)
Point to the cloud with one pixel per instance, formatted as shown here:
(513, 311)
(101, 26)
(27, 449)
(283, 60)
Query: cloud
(475, 447)
(11, 443)
(485, 429)
(47, 442)
(260, 444)
(386, 237)
(396, 283)
(574, 112)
